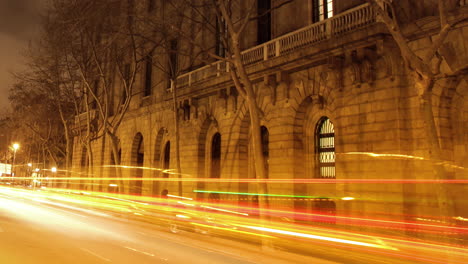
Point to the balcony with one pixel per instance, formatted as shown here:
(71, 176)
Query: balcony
(81, 122)
(82, 118)
(347, 21)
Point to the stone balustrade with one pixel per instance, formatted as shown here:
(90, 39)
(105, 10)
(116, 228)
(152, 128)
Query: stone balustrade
(340, 24)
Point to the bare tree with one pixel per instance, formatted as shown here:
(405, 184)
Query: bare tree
(426, 71)
(101, 49)
(227, 22)
(163, 34)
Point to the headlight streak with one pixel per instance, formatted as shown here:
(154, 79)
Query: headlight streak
(72, 207)
(420, 227)
(90, 180)
(226, 217)
(338, 240)
(223, 210)
(233, 230)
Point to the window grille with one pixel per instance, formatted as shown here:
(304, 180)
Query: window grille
(326, 149)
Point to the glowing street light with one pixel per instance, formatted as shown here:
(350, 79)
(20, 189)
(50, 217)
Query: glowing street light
(53, 169)
(16, 146)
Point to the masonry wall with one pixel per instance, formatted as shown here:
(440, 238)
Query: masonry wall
(359, 82)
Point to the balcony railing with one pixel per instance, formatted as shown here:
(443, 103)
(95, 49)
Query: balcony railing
(83, 117)
(347, 21)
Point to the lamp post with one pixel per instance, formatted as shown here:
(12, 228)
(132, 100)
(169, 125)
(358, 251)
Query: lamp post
(54, 174)
(29, 174)
(15, 148)
(37, 179)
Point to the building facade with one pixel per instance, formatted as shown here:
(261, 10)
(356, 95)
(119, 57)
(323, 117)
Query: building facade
(341, 117)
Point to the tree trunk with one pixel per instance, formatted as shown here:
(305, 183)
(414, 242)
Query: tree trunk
(117, 160)
(176, 120)
(90, 170)
(68, 143)
(259, 159)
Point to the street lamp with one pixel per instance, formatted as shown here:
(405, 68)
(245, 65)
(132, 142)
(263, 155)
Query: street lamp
(15, 148)
(54, 171)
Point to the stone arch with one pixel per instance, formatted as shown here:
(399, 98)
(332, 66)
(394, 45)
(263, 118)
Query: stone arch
(84, 168)
(446, 94)
(114, 184)
(308, 114)
(459, 121)
(208, 129)
(158, 161)
(166, 159)
(307, 119)
(459, 135)
(246, 167)
(137, 161)
(215, 156)
(321, 87)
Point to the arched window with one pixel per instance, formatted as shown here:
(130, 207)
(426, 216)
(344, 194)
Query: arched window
(84, 164)
(216, 156)
(265, 147)
(138, 158)
(113, 184)
(167, 158)
(326, 148)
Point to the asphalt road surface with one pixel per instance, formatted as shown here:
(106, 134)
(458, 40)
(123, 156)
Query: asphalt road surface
(32, 232)
(41, 227)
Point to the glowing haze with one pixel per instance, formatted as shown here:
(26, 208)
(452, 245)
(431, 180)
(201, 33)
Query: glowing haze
(19, 21)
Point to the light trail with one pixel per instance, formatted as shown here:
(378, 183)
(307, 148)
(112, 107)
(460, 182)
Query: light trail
(249, 180)
(233, 219)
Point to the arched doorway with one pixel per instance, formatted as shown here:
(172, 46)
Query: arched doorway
(138, 156)
(325, 150)
(166, 159)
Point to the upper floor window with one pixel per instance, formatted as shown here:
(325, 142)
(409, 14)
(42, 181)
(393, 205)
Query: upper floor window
(186, 109)
(125, 86)
(151, 5)
(322, 9)
(221, 36)
(172, 62)
(326, 148)
(264, 21)
(148, 75)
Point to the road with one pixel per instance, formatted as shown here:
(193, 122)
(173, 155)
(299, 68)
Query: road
(34, 232)
(39, 227)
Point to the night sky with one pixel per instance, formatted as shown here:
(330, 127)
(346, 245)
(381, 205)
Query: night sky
(18, 23)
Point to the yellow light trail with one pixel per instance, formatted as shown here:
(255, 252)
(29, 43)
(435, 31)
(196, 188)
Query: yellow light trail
(331, 239)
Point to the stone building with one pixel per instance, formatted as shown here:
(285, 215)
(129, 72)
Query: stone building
(341, 116)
